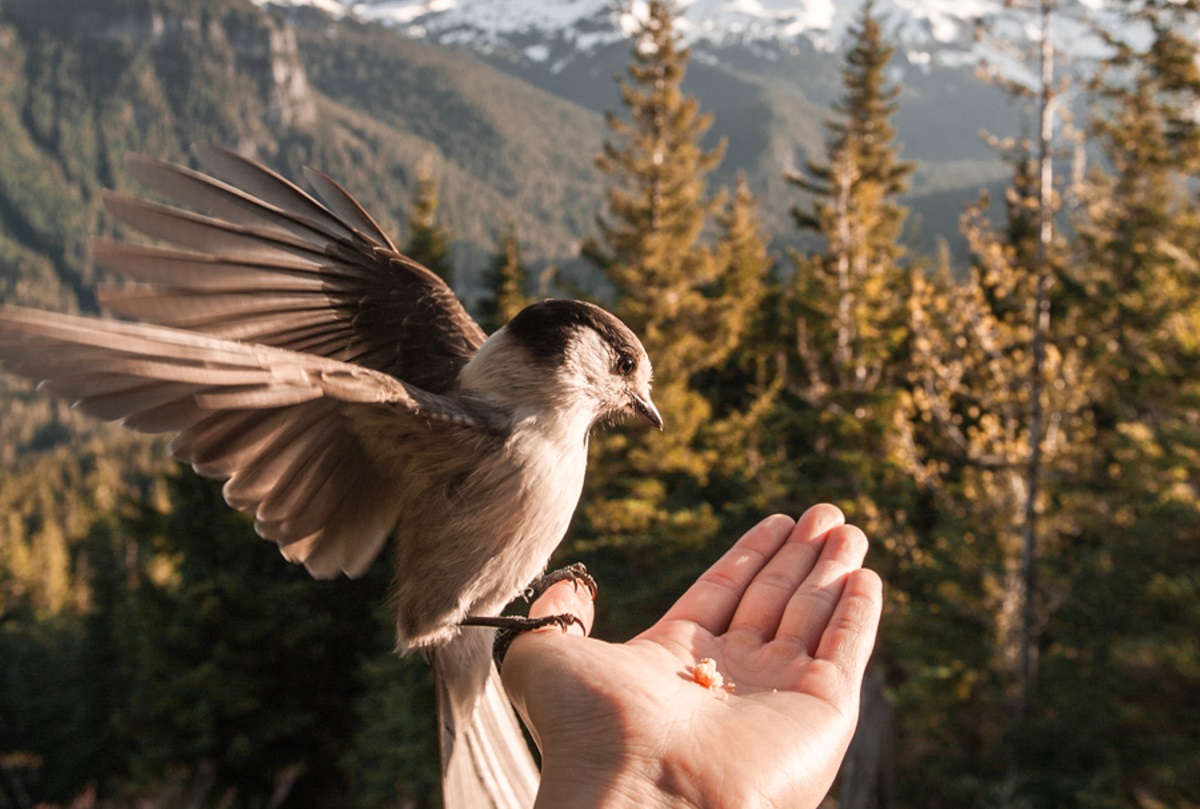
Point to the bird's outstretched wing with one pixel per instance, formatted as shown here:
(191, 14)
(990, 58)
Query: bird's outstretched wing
(259, 260)
(277, 424)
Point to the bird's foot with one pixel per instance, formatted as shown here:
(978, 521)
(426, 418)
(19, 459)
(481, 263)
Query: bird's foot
(576, 574)
(508, 627)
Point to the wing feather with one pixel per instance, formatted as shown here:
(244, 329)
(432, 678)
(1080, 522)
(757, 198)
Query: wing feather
(270, 187)
(275, 325)
(342, 204)
(257, 259)
(206, 273)
(207, 234)
(221, 200)
(273, 471)
(223, 442)
(278, 425)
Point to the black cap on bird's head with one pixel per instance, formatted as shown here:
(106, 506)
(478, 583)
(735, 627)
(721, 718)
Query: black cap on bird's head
(553, 331)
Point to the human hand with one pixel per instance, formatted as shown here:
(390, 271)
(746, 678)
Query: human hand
(789, 616)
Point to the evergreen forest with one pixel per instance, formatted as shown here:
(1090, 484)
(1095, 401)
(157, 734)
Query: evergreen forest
(1015, 426)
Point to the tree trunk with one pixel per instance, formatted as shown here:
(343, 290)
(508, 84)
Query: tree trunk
(867, 777)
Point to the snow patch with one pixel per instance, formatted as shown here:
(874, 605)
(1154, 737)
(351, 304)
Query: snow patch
(931, 32)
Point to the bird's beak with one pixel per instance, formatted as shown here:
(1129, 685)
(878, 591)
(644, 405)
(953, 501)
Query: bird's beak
(646, 411)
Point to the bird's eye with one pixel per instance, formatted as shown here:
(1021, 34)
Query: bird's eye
(625, 365)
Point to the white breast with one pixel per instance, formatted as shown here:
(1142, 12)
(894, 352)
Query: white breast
(552, 477)
(470, 545)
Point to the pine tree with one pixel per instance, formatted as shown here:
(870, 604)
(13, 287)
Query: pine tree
(968, 435)
(1017, 274)
(847, 327)
(744, 387)
(428, 241)
(235, 661)
(1136, 279)
(845, 310)
(863, 138)
(690, 300)
(650, 246)
(1140, 270)
(505, 282)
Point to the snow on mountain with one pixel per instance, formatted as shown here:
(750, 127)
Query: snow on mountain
(925, 28)
(553, 34)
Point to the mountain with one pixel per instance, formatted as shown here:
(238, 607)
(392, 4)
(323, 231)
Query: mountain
(555, 31)
(83, 82)
(768, 72)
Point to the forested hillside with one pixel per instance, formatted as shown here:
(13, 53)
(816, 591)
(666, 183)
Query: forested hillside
(1016, 428)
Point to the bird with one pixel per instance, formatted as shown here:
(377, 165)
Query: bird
(347, 398)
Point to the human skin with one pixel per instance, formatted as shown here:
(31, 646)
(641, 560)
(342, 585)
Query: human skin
(788, 614)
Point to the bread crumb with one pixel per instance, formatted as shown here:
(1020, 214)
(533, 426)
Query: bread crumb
(705, 673)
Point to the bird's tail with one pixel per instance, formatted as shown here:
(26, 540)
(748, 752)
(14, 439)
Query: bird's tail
(486, 763)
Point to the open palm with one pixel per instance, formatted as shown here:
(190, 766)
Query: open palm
(789, 617)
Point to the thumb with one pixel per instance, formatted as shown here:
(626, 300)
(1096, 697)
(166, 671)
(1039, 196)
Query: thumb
(566, 597)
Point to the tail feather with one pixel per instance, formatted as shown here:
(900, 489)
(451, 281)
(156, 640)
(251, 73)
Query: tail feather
(486, 763)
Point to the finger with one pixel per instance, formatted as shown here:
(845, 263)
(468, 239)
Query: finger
(812, 605)
(566, 598)
(525, 662)
(712, 601)
(850, 635)
(762, 608)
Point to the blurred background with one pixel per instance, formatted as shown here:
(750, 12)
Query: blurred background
(936, 263)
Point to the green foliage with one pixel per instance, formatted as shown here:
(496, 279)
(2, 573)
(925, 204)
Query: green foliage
(505, 283)
(658, 498)
(43, 733)
(860, 146)
(393, 757)
(234, 657)
(49, 500)
(428, 241)
(843, 315)
(1136, 282)
(673, 289)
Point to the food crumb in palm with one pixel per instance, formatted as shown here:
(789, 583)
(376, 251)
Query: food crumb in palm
(705, 673)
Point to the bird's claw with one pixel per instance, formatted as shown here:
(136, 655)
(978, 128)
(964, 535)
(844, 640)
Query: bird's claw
(508, 627)
(575, 573)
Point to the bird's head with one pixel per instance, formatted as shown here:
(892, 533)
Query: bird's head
(571, 355)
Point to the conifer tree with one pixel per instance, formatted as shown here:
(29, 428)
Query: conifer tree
(744, 387)
(846, 309)
(505, 282)
(428, 241)
(1012, 370)
(846, 321)
(968, 434)
(690, 300)
(1139, 267)
(863, 137)
(744, 258)
(235, 661)
(650, 246)
(1136, 279)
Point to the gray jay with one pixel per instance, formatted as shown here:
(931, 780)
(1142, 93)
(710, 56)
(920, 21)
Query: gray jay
(345, 395)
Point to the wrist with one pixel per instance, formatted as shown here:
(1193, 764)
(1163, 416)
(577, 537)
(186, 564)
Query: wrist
(610, 782)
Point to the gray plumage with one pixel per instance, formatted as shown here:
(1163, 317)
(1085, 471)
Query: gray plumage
(345, 395)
